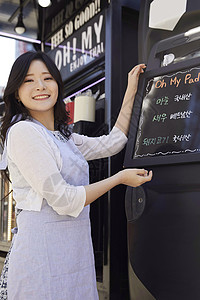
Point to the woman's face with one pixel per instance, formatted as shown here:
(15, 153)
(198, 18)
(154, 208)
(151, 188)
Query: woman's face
(39, 91)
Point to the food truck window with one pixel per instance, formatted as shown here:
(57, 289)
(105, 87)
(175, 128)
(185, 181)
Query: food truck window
(179, 54)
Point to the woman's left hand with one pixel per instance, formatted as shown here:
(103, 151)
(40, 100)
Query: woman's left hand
(133, 77)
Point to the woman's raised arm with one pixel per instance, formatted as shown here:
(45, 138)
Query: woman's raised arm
(124, 117)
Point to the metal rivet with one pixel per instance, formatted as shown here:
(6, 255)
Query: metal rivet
(140, 200)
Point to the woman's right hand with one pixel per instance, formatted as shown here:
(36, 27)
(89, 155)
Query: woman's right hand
(135, 177)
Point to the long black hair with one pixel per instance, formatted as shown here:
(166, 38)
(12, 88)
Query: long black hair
(16, 78)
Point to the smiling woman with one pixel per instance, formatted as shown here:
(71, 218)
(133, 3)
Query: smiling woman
(39, 93)
(52, 254)
(34, 74)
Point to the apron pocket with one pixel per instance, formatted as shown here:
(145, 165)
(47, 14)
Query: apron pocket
(69, 246)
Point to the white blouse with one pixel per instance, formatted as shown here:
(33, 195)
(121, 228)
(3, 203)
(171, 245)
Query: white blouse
(33, 158)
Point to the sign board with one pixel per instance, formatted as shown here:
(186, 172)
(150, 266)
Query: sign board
(167, 117)
(80, 48)
(170, 117)
(64, 14)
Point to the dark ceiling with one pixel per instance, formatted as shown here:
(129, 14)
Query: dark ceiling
(9, 11)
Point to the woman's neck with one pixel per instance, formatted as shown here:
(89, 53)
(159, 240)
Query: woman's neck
(45, 119)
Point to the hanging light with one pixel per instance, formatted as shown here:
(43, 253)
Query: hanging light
(44, 3)
(20, 28)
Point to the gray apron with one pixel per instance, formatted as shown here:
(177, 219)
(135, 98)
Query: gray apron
(52, 255)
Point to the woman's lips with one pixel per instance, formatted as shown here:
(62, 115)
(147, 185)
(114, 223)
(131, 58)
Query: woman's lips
(41, 97)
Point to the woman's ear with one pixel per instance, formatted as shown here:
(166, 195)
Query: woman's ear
(16, 95)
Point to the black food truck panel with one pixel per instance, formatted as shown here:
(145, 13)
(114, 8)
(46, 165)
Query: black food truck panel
(163, 215)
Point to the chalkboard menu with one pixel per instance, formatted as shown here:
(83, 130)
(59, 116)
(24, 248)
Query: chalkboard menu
(169, 122)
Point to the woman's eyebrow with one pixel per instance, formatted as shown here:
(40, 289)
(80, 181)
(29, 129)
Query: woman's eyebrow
(30, 74)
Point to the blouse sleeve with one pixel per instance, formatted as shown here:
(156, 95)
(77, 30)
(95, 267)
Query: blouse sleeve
(30, 151)
(99, 147)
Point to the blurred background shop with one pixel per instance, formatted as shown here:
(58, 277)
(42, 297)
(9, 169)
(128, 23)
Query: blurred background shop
(94, 45)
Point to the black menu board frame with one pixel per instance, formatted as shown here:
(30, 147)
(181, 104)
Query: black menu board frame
(186, 73)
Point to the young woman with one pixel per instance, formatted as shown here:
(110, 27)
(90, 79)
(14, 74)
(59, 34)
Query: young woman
(52, 255)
